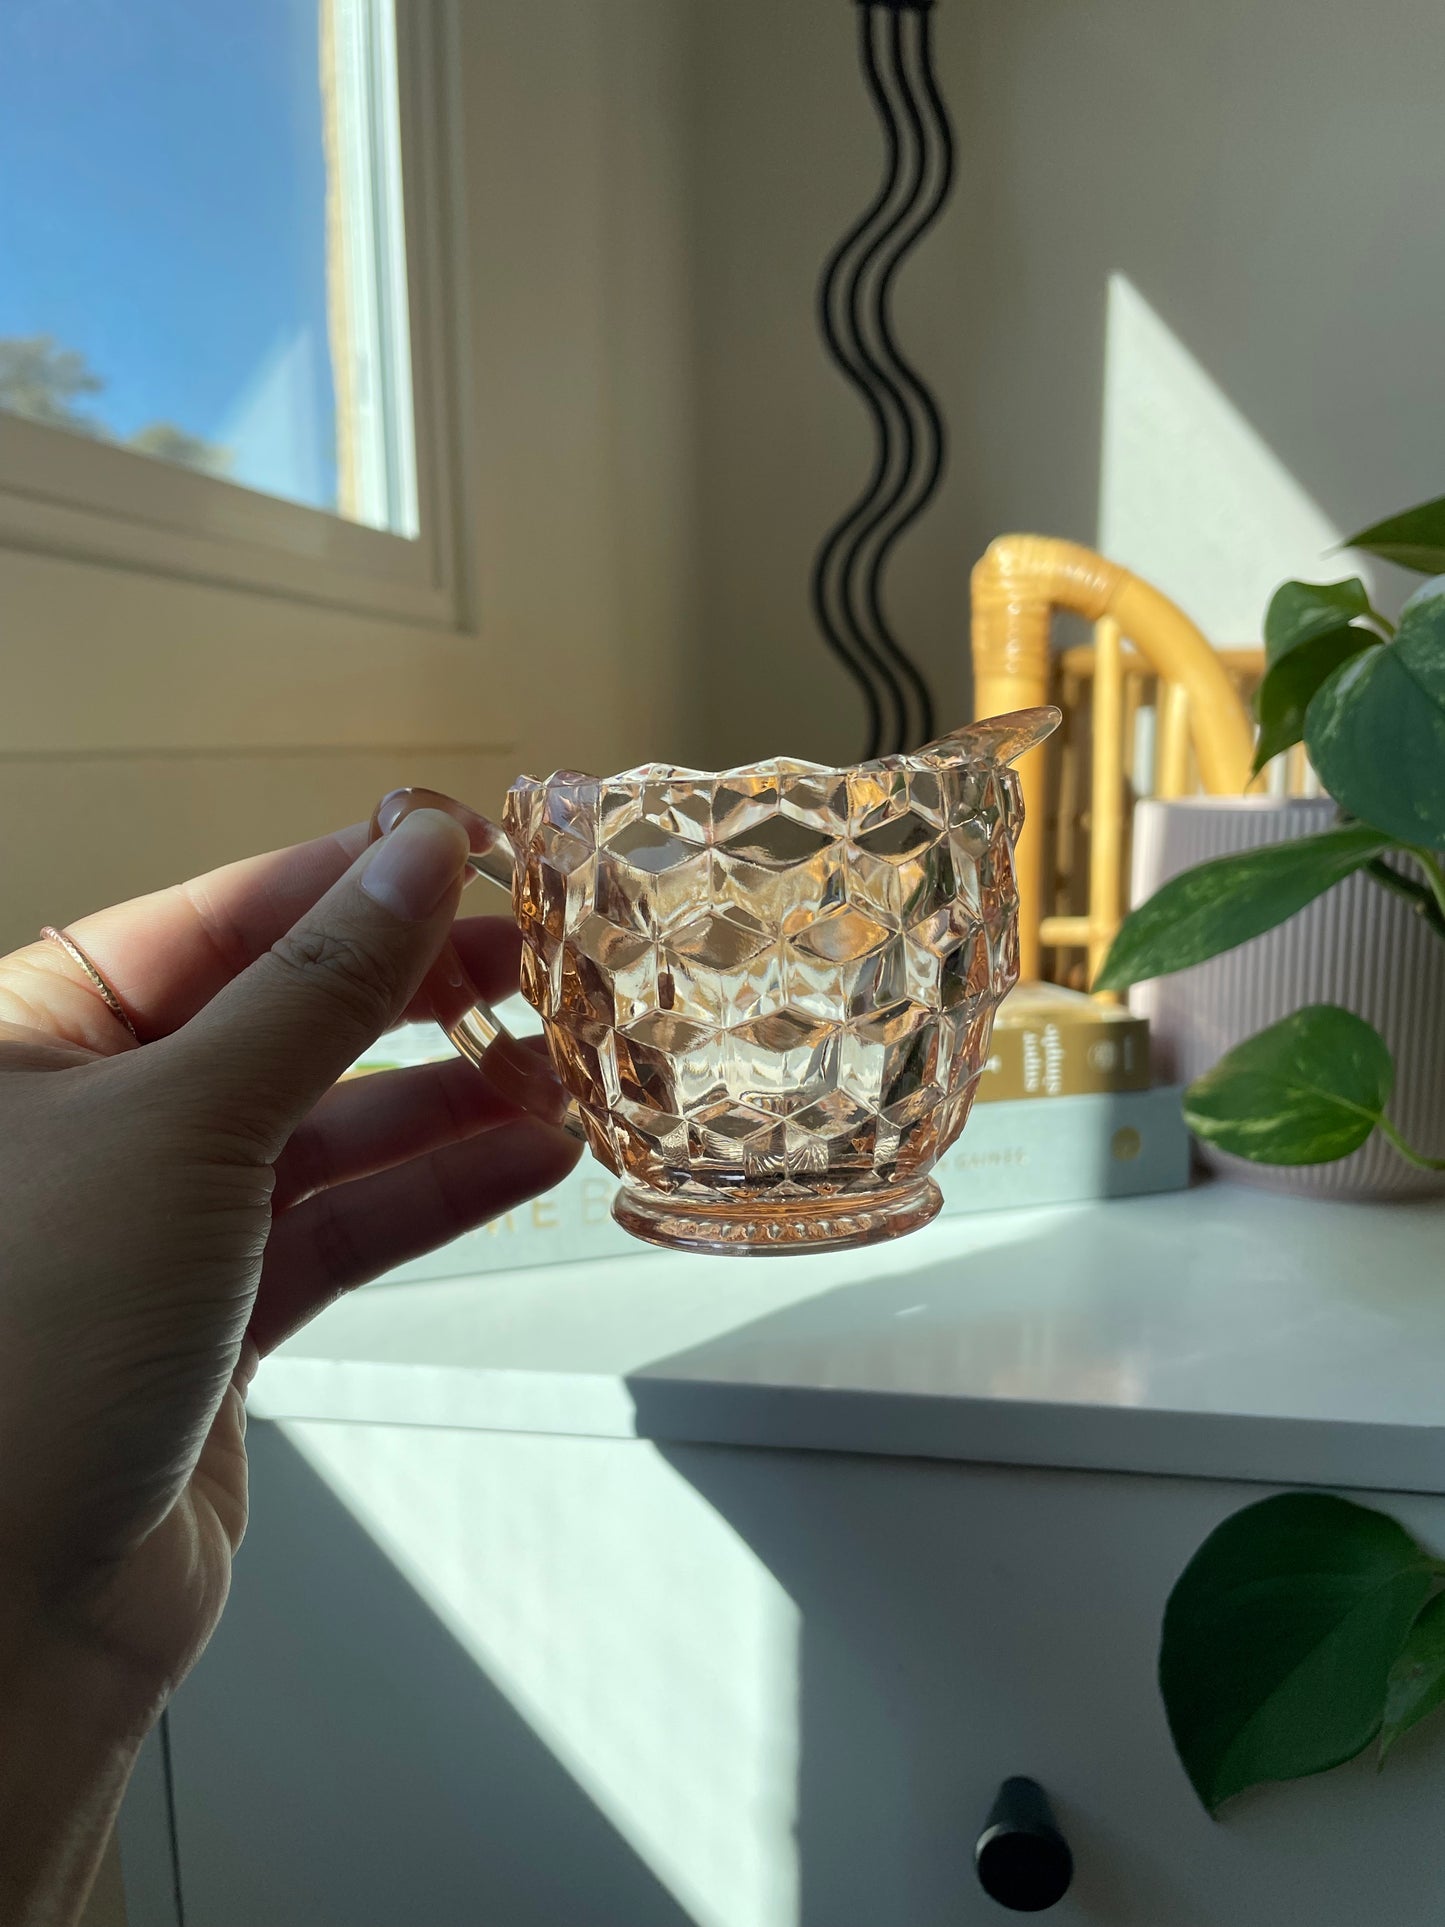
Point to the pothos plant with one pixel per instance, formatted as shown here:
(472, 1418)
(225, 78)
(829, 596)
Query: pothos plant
(1306, 1627)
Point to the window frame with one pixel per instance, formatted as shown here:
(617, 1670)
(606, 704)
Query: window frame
(83, 500)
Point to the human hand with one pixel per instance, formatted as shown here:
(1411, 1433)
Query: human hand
(169, 1210)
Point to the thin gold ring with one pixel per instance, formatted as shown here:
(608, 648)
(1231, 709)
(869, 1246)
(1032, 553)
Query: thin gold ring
(73, 950)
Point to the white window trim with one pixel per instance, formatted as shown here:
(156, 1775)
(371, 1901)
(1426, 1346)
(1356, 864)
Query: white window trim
(92, 501)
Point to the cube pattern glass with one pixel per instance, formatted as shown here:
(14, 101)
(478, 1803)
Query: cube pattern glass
(771, 991)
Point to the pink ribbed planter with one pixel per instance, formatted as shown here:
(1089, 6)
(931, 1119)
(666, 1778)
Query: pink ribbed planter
(1357, 945)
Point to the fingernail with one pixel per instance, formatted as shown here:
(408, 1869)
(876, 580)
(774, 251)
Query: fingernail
(413, 866)
(398, 804)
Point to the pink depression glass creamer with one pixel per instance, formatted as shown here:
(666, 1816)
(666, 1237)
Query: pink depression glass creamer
(770, 991)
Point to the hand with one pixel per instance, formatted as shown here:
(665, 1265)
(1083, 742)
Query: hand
(171, 1210)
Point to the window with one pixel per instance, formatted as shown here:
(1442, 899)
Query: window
(204, 242)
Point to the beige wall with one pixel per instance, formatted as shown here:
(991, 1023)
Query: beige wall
(786, 156)
(104, 828)
(153, 727)
(1269, 178)
(581, 352)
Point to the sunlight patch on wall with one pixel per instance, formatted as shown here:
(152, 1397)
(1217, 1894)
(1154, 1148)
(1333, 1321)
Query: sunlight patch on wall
(639, 1636)
(1190, 496)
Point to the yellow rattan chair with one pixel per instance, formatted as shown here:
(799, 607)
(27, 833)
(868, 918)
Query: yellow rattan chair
(1204, 737)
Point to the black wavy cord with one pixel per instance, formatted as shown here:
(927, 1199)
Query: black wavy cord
(871, 511)
(885, 508)
(861, 656)
(893, 373)
(935, 434)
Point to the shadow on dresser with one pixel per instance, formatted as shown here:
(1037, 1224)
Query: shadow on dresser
(340, 1760)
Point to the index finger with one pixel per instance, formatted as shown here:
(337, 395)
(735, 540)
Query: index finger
(167, 954)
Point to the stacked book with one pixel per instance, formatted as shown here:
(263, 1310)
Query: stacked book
(1065, 1113)
(1049, 1042)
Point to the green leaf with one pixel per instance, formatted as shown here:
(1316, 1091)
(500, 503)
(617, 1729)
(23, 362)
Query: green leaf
(1417, 1679)
(1432, 587)
(1302, 612)
(1279, 1637)
(1226, 902)
(1415, 538)
(1309, 631)
(1290, 685)
(1376, 731)
(1308, 1090)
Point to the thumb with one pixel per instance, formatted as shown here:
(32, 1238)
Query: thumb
(268, 1046)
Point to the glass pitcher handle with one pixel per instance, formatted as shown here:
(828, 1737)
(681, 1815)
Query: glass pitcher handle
(520, 1073)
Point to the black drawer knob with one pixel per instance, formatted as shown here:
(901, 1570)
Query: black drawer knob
(1023, 1860)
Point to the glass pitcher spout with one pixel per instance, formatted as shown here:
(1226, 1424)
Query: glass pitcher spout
(994, 739)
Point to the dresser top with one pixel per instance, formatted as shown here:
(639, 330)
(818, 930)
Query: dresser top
(1221, 1332)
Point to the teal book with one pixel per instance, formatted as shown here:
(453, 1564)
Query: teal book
(1014, 1154)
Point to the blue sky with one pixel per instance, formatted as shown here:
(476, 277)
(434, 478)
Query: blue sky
(162, 200)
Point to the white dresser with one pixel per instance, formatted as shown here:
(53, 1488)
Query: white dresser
(716, 1593)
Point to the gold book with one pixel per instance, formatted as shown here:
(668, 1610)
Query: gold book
(1057, 1043)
